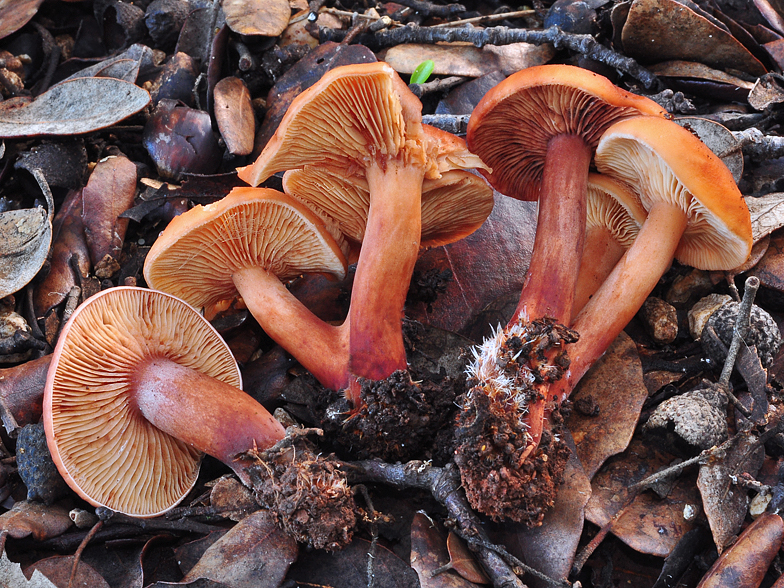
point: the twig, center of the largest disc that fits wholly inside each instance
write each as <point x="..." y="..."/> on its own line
<point x="583" y="44"/>
<point x="487" y="18"/>
<point x="429" y="9"/>
<point x="438" y="85"/>
<point x="757" y="145"/>
<point x="78" y="555"/>
<point x="741" y="328"/>
<point x="452" y="123"/>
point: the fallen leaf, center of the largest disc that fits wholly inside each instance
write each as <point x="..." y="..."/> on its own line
<point x="463" y="561"/>
<point x="767" y="214"/>
<point x="486" y="265"/>
<point x="77" y="106"/>
<point x="467" y="60"/>
<point x="550" y="548"/>
<point x="57" y="570"/>
<point x="725" y="503"/>
<point x="615" y="384"/>
<point x="14" y="14"/>
<point x="719" y="139"/>
<point x="663" y="30"/>
<point x="766" y="91"/>
<point x="257" y="17"/>
<point x="649" y="524"/>
<point x="429" y="552"/>
<point x="238" y="558"/>
<point x="33" y="518"/>
<point x="234" y="115"/>
<point x="11" y="576"/>
<point x="109" y="192"/>
<point x="124" y="66"/>
<point x="770" y="269"/>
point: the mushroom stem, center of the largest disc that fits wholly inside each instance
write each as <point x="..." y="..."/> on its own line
<point x="289" y="322"/>
<point x="602" y="252"/>
<point x="624" y="291"/>
<point x="558" y="245"/>
<point x="391" y="242"/>
<point x="207" y="414"/>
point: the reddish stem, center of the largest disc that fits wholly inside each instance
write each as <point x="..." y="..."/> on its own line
<point x="624" y="291"/>
<point x="293" y="326"/>
<point x="212" y="416"/>
<point x="386" y="263"/>
<point x="558" y="245"/>
<point x="600" y="255"/>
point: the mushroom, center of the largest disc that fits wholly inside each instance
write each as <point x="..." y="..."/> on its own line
<point x="613" y="218"/>
<point x="537" y="130"/>
<point x="696" y="214"/>
<point x="140" y="385"/>
<point x="362" y="120"/>
<point x="248" y="244"/>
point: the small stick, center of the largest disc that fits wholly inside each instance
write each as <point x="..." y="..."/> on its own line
<point x="486" y="19"/>
<point x="78" y="555"/>
<point x="741" y="328"/>
<point x="429" y="9"/>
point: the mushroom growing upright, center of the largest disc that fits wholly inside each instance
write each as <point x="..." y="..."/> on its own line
<point x="363" y="121"/>
<point x="247" y="244"/>
<point x="696" y="214"/>
<point x="140" y="385"/>
<point x="537" y="130"/>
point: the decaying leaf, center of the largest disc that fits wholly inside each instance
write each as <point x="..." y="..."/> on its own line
<point x="719" y="139"/>
<point x="725" y="503"/>
<point x="649" y="524"/>
<point x="429" y="552"/>
<point x="485" y="266"/>
<point x="767" y="214"/>
<point x="252" y="545"/>
<point x="57" y="570"/>
<point x="662" y="30"/>
<point x="257" y="17"/>
<point x="550" y="548"/>
<point x="234" y="115"/>
<point x="615" y="386"/>
<point x="36" y="519"/>
<point x="14" y="14"/>
<point x="25" y="238"/>
<point x="74" y="107"/>
<point x="466" y="60"/>
<point x="11" y="576"/>
<point x="109" y="192"/>
<point x="770" y="269"/>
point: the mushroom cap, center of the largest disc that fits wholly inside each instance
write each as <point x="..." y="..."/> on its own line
<point x="195" y="256"/>
<point x="354" y="115"/>
<point x="106" y="451"/>
<point x="453" y="206"/>
<point x="664" y="161"/>
<point x="512" y="125"/>
<point x="615" y="206"/>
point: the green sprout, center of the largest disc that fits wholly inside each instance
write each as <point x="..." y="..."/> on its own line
<point x="422" y="72"/>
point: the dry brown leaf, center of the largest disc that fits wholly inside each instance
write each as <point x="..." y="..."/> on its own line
<point x="74" y="107"/>
<point x="770" y="269"/>
<point x="649" y="524"/>
<point x="11" y="576"/>
<point x="719" y="139"/>
<point x="57" y="570"/>
<point x="615" y="384"/>
<point x="725" y="503"/>
<point x="109" y="192"/>
<point x="767" y="214"/>
<point x="487" y="265"/>
<point x="254" y="544"/>
<point x="467" y="60"/>
<point x="234" y="115"/>
<point x="550" y="548"/>
<point x="663" y="30"/>
<point x="14" y="14"/>
<point x="429" y="552"/>
<point x="257" y="17"/>
<point x="32" y="518"/>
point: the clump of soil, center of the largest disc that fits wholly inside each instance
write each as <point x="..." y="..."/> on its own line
<point x="506" y="475"/>
<point x="308" y="493"/>
<point x="400" y="419"/>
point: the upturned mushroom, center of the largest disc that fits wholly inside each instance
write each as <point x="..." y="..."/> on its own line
<point x="140" y="386"/>
<point x="247" y="245"/>
<point x="362" y="120"/>
<point x="696" y="214"/>
<point x="537" y="130"/>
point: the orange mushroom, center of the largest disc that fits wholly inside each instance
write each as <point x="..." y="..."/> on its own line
<point x="140" y="385"/>
<point x="363" y="121"/>
<point x="248" y="244"/>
